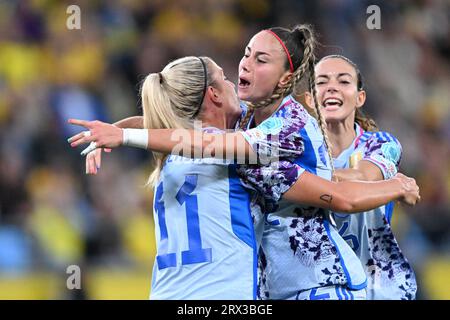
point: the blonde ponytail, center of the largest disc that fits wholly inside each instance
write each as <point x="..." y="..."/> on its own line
<point x="173" y="99"/>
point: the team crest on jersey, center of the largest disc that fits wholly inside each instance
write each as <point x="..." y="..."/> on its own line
<point x="391" y="151"/>
<point x="355" y="158"/>
<point x="255" y="134"/>
<point x="271" y="126"/>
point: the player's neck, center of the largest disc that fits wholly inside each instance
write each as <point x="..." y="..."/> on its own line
<point x="214" y="120"/>
<point x="262" y="114"/>
<point x="341" y="135"/>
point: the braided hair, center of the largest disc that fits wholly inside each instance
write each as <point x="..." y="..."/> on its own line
<point x="300" y="44"/>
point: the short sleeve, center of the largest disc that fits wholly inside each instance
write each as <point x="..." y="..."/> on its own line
<point x="271" y="181"/>
<point x="385" y="151"/>
<point x="278" y="136"/>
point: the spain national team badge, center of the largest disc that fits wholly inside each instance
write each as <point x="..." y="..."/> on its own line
<point x="355" y="158"/>
<point x="256" y="134"/>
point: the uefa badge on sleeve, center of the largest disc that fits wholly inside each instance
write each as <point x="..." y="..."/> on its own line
<point x="271" y="126"/>
<point x="391" y="151"/>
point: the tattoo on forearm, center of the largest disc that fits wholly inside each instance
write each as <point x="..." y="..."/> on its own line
<point x="327" y="198"/>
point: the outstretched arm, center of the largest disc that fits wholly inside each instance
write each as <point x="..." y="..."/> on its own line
<point x="274" y="138"/>
<point x="188" y="143"/>
<point x="352" y="196"/>
<point x="309" y="189"/>
<point x="136" y="122"/>
<point x="94" y="157"/>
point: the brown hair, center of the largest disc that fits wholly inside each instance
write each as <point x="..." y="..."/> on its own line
<point x="364" y="121"/>
<point x="301" y="44"/>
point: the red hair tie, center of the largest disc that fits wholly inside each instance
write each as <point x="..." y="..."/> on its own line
<point x="284" y="47"/>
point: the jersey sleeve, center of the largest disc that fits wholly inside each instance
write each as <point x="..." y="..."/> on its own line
<point x="278" y="136"/>
<point x="271" y="181"/>
<point x="279" y="140"/>
<point x="385" y="151"/>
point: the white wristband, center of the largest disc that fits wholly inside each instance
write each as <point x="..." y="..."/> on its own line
<point x="135" y="138"/>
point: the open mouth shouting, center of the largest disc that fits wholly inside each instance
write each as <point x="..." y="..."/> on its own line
<point x="244" y="83"/>
<point x="332" y="103"/>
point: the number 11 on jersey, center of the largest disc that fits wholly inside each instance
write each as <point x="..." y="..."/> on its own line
<point x="195" y="254"/>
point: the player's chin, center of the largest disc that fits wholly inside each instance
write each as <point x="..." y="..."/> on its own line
<point x="330" y="117"/>
<point x="250" y="97"/>
<point x="243" y="95"/>
<point x="334" y="113"/>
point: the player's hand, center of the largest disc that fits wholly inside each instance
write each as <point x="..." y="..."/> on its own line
<point x="410" y="189"/>
<point x="100" y="134"/>
<point x="94" y="160"/>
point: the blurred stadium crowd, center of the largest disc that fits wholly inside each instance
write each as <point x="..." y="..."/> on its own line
<point x="52" y="215"/>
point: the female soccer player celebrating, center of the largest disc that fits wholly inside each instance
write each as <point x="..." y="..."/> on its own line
<point x="305" y="257"/>
<point x="361" y="152"/>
